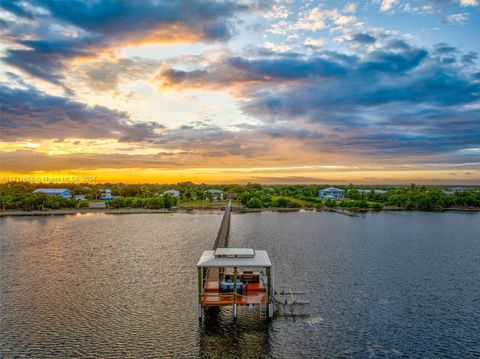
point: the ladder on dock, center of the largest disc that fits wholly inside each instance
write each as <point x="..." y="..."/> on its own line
<point x="263" y="311"/>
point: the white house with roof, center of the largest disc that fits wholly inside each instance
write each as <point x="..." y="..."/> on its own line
<point x="173" y="192"/>
<point x="331" y="193"/>
<point x="62" y="192"/>
<point x="80" y="197"/>
<point x="217" y="194"/>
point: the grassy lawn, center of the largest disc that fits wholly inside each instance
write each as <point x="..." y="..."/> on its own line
<point x="300" y="202"/>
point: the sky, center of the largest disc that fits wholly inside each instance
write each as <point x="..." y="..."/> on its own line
<point x="376" y="91"/>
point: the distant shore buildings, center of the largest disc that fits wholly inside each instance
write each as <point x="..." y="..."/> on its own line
<point x="217" y="194"/>
<point x="172" y="192"/>
<point x="106" y="194"/>
<point x="62" y="192"/>
<point x="331" y="193"/>
<point x="453" y="190"/>
<point x="376" y="191"/>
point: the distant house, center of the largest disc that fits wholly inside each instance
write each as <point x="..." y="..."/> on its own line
<point x="106" y="194"/>
<point x="173" y="193"/>
<point x="62" y="192"/>
<point x="80" y="197"/>
<point x="376" y="191"/>
<point x="331" y="193"/>
<point x="453" y="190"/>
<point x="217" y="194"/>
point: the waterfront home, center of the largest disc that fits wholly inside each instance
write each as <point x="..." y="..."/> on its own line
<point x="173" y="193"/>
<point x="217" y="194"/>
<point x="80" y="197"/>
<point x="453" y="190"/>
<point x="62" y="192"/>
<point x="106" y="194"/>
<point x="331" y="193"/>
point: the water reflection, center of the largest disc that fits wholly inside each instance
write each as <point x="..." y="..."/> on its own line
<point x="380" y="285"/>
<point x="246" y="337"/>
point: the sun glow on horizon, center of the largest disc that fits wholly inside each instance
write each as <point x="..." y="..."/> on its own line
<point x="218" y="92"/>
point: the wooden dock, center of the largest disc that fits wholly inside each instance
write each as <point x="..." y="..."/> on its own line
<point x="246" y="285"/>
<point x="221" y="241"/>
<point x="222" y="235"/>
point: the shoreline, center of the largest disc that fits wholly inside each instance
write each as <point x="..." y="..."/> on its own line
<point x="106" y="211"/>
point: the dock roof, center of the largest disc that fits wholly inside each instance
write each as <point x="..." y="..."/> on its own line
<point x="226" y="257"/>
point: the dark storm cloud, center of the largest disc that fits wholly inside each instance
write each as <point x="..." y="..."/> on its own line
<point x="30" y="114"/>
<point x="103" y="24"/>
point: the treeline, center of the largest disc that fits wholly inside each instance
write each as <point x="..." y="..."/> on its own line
<point x="259" y="199"/>
<point x="166" y="201"/>
<point x="19" y="196"/>
<point x="429" y="199"/>
<point x="37" y="201"/>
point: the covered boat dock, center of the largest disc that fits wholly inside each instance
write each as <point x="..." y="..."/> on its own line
<point x="235" y="276"/>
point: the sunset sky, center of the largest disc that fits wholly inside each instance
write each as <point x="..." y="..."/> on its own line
<point x="270" y="92"/>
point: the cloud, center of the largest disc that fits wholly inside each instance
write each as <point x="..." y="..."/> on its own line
<point x="83" y="29"/>
<point x="469" y="3"/>
<point x="428" y="6"/>
<point x="106" y="75"/>
<point x="444" y="49"/>
<point x="242" y="71"/>
<point x="395" y="99"/>
<point x="364" y="38"/>
<point x="350" y="8"/>
<point x="387" y="5"/>
<point x="459" y="19"/>
<point x="44" y="59"/>
<point x="30" y="114"/>
<point x="317" y="18"/>
<point x="313" y="43"/>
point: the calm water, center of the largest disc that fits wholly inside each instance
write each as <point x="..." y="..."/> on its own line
<point x="381" y="285"/>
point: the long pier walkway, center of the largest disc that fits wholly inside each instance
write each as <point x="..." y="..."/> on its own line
<point x="221" y="241"/>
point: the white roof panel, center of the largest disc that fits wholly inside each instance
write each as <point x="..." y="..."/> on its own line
<point x="260" y="259"/>
<point x="51" y="190"/>
<point x="234" y="252"/>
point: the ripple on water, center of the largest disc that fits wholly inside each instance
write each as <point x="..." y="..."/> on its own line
<point x="381" y="285"/>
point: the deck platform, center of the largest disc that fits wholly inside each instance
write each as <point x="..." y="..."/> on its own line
<point x="255" y="293"/>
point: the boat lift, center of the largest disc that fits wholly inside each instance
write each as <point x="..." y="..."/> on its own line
<point x="233" y="277"/>
<point x="240" y="276"/>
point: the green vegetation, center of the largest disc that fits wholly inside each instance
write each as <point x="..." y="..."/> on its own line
<point x="166" y="201"/>
<point x="207" y="203"/>
<point x="27" y="201"/>
<point x="19" y="196"/>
